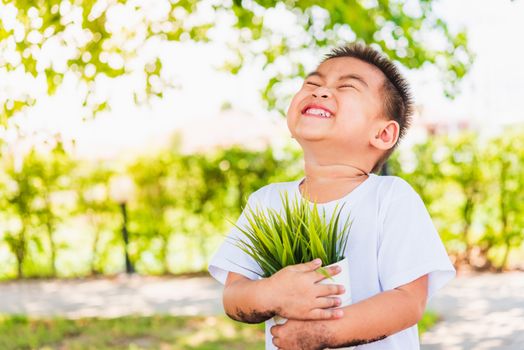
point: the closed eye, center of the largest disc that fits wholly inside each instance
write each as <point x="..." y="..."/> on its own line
<point x="312" y="84"/>
<point x="347" y="86"/>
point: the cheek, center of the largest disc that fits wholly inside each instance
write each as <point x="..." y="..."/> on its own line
<point x="290" y="115"/>
<point x="373" y="107"/>
<point x="354" y="119"/>
<point x="293" y="109"/>
<point x="296" y="100"/>
<point x="359" y="110"/>
<point x="288" y="122"/>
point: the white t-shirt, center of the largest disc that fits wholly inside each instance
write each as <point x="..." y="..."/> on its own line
<point x="392" y="242"/>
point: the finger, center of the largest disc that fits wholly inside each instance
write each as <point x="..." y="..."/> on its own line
<point x="331" y="271"/>
<point x="326" y="314"/>
<point x="327" y="303"/>
<point x="276" y="342"/>
<point x="309" y="266"/>
<point x="274" y="330"/>
<point x="324" y="290"/>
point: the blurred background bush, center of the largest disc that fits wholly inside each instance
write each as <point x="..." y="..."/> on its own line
<point x="62" y="217"/>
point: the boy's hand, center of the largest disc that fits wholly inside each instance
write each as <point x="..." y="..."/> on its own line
<point x="297" y="295"/>
<point x="304" y="335"/>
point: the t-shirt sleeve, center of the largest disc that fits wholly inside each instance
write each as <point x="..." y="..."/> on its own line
<point x="410" y="246"/>
<point x="229" y="257"/>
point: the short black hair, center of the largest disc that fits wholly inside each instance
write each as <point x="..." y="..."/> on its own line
<point x="398" y="102"/>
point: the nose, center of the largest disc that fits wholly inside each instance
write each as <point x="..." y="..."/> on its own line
<point x="322" y="92"/>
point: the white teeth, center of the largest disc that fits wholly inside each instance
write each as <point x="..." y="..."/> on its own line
<point x="319" y="112"/>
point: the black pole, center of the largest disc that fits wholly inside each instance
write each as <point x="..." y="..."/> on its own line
<point x="129" y="267"/>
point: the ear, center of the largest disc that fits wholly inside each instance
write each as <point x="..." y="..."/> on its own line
<point x="386" y="135"/>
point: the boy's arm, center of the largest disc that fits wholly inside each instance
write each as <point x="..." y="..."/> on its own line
<point x="370" y="320"/>
<point x="292" y="292"/>
<point x="246" y="300"/>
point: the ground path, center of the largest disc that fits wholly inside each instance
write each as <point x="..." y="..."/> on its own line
<point x="112" y="297"/>
<point x="479" y="312"/>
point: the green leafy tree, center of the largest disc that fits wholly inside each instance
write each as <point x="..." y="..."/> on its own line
<point x="95" y="40"/>
<point x="248" y="170"/>
<point x="21" y="197"/>
<point x="151" y="219"/>
<point x="504" y="223"/>
<point x="54" y="172"/>
<point x="465" y="170"/>
<point x="203" y="200"/>
<point x="215" y="186"/>
<point x="472" y="187"/>
<point x="38" y="179"/>
<point x="425" y="166"/>
<point x="422" y="166"/>
<point x="55" y="175"/>
<point x="93" y="203"/>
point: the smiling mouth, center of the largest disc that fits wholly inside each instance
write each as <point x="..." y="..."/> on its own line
<point x="316" y="112"/>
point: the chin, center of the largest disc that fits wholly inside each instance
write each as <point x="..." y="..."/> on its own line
<point x="310" y="136"/>
<point x="310" y="132"/>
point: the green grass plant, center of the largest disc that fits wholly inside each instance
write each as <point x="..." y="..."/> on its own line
<point x="298" y="233"/>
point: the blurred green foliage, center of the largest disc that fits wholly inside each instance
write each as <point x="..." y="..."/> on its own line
<point x="474" y="190"/>
<point x="27" y="194"/>
<point x="93" y="39"/>
<point x="140" y="332"/>
<point x="132" y="332"/>
<point x="59" y="218"/>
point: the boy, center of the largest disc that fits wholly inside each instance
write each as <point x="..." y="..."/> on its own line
<point x="348" y="117"/>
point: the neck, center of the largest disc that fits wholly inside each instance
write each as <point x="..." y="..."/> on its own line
<point x="322" y="177"/>
<point x="333" y="171"/>
<point x="329" y="180"/>
<point x="323" y="161"/>
<point x="322" y="168"/>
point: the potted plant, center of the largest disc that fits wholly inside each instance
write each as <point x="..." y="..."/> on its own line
<point x="296" y="234"/>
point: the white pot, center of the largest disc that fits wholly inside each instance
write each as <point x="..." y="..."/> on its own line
<point x="342" y="278"/>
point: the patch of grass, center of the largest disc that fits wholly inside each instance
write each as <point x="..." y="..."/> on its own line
<point x="137" y="333"/>
<point x="132" y="333"/>
<point x="428" y="320"/>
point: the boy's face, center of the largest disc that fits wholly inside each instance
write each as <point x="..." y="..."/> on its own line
<point x="340" y="103"/>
